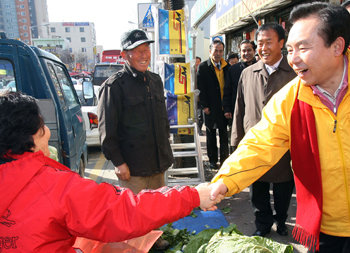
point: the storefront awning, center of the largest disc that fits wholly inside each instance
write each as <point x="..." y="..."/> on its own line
<point x="240" y="14"/>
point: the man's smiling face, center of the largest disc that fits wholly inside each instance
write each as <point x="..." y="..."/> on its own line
<point x="308" y="55"/>
<point x="139" y="57"/>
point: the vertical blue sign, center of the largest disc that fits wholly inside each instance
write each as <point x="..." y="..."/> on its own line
<point x="148" y="20"/>
<point x="164" y="43"/>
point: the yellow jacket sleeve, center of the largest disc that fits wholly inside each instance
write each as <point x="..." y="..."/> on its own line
<point x="263" y="145"/>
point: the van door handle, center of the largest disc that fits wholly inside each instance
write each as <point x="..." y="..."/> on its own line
<point x="73" y="131"/>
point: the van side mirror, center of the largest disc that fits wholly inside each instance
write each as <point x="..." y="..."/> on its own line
<point x="88" y="90"/>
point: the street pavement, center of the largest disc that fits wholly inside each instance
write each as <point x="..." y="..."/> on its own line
<point x="237" y="209"/>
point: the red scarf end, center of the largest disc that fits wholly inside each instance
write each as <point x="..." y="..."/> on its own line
<point x="305" y="238"/>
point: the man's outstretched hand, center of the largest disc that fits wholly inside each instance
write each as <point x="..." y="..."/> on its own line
<point x="207" y="202"/>
<point x="218" y="190"/>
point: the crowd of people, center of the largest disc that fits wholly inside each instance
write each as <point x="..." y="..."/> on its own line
<point x="284" y="119"/>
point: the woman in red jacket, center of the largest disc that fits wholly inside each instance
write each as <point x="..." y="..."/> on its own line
<point x="44" y="206"/>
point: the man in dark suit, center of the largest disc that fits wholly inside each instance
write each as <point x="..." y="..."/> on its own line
<point x="247" y="51"/>
<point x="211" y="81"/>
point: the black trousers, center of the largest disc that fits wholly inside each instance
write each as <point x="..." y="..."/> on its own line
<point x="334" y="244"/>
<point x="260" y="197"/>
<point x="212" y="148"/>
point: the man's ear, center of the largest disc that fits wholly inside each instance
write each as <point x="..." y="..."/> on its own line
<point x="281" y="43"/>
<point x="338" y="46"/>
<point x="123" y="53"/>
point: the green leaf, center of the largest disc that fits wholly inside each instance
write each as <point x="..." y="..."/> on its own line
<point x="193" y="215"/>
<point x="226" y="209"/>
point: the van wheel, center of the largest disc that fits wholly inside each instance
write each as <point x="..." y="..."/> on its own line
<point x="81" y="168"/>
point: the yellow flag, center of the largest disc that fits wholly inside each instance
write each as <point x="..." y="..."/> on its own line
<point x="177" y="32"/>
<point x="182" y="78"/>
<point x="185" y="111"/>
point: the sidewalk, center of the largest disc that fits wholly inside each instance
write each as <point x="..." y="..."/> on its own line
<point x="238" y="210"/>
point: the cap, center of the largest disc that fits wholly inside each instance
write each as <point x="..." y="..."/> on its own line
<point x="134" y="38"/>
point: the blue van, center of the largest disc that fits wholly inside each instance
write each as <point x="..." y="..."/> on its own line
<point x="42" y="75"/>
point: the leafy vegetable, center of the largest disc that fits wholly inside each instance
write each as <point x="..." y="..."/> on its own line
<point x="193" y="215"/>
<point x="223" y="240"/>
<point x="226" y="209"/>
<point x="235" y="243"/>
<point x="177" y="238"/>
<point x="198" y="240"/>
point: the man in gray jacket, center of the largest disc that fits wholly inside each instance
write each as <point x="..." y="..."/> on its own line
<point x="133" y="122"/>
<point x="256" y="86"/>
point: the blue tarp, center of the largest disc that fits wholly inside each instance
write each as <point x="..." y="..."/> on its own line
<point x="204" y="220"/>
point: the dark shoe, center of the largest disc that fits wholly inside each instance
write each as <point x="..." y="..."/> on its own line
<point x="160" y="244"/>
<point x="282" y="230"/>
<point x="261" y="233"/>
<point x="213" y="166"/>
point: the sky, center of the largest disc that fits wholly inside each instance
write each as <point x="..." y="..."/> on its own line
<point x="111" y="17"/>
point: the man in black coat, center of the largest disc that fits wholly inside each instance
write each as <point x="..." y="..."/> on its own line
<point x="133" y="122"/>
<point x="247" y="52"/>
<point x="211" y="80"/>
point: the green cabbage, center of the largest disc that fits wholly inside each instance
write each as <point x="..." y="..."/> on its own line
<point x="235" y="243"/>
<point x="224" y="240"/>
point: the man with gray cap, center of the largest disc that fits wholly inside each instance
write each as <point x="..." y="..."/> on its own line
<point x="133" y="121"/>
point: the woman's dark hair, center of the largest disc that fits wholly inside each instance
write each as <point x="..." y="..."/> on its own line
<point x="334" y="20"/>
<point x="20" y="119"/>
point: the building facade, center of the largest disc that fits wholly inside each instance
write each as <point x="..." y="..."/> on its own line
<point x="82" y="41"/>
<point x="8" y="21"/>
<point x="38" y="9"/>
<point x="238" y="20"/>
<point x="23" y="19"/>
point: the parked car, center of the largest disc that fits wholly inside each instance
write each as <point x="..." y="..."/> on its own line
<point x="42" y="75"/>
<point x="104" y="70"/>
<point x="89" y="110"/>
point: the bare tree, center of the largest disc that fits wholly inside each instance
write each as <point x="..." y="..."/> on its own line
<point x="81" y="59"/>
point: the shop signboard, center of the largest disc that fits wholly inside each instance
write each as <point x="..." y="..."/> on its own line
<point x="233" y="11"/>
<point x="223" y="6"/>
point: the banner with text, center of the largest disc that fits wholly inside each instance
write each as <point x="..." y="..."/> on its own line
<point x="172" y="38"/>
<point x="178" y="78"/>
<point x="180" y="109"/>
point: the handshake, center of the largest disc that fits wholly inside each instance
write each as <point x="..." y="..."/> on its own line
<point x="210" y="195"/>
